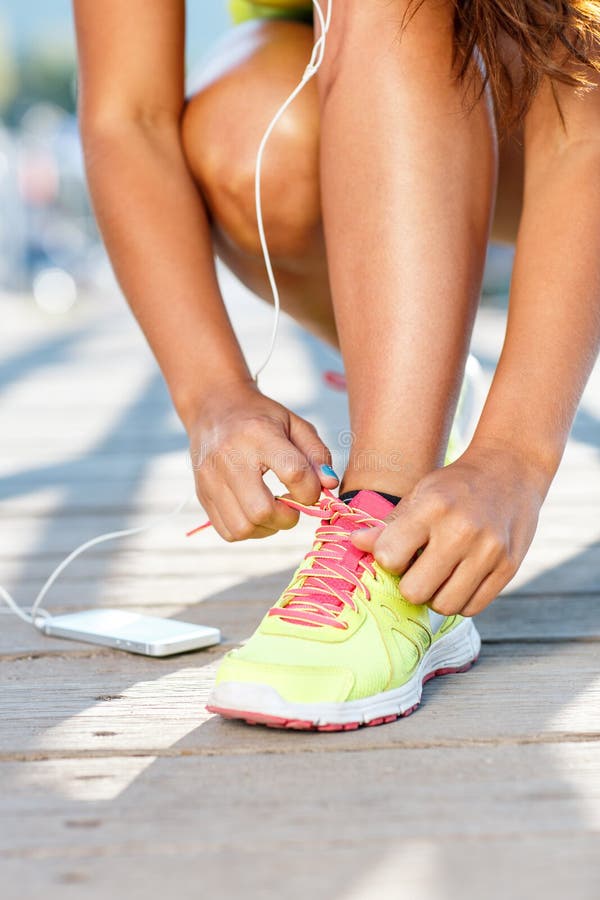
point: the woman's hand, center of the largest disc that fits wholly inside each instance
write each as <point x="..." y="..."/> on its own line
<point x="474" y="519"/>
<point x="238" y="435"/>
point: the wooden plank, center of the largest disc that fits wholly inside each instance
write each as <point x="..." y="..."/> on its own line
<point x="64" y="528"/>
<point x="520" y="617"/>
<point x="546" y="570"/>
<point x="574" y="506"/>
<point x="110" y="703"/>
<point x="499" y="764"/>
<point x="106" y="569"/>
<point x="552" y="866"/>
<point x="88" y="465"/>
<point x="464" y="792"/>
<point x="353" y="826"/>
<point x="570" y="509"/>
<point x="237" y="608"/>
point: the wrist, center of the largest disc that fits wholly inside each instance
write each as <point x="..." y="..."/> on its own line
<point x="192" y="405"/>
<point x="536" y="464"/>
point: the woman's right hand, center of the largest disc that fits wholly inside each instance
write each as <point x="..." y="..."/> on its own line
<point x="235" y="437"/>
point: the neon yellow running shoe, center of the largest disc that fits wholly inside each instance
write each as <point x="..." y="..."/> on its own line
<point x="341" y="648"/>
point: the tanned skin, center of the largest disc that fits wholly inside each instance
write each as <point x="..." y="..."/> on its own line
<point x="392" y="171"/>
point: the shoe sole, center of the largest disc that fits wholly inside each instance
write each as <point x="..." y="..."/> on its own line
<point x="259" y="704"/>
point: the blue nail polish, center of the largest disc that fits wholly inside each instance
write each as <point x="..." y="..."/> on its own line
<point x="327" y="470"/>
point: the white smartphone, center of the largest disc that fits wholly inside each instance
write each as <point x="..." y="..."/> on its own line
<point x="149" y="635"/>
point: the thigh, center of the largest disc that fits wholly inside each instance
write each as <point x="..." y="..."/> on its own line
<point x="250" y="74"/>
<point x="248" y="77"/>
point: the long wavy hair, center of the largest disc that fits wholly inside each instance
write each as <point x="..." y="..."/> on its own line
<point x="555" y="39"/>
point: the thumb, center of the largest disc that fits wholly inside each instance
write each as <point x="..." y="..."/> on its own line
<point x="306" y="438"/>
<point x="366" y="538"/>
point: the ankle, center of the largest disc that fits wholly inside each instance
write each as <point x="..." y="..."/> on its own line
<point x="388" y="472"/>
<point x="397" y="484"/>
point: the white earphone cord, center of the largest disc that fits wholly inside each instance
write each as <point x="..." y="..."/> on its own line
<point x="35" y="614"/>
<point x="316" y="58"/>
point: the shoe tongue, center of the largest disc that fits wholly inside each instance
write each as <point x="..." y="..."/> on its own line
<point x="373" y="503"/>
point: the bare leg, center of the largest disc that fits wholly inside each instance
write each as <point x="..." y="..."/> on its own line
<point x="406" y="239"/>
<point x="254" y="72"/>
<point x="256" y="67"/>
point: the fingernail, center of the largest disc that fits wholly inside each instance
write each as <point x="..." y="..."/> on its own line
<point x="327" y="470"/>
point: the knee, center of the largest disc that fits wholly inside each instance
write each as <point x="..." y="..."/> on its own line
<point x="220" y="142"/>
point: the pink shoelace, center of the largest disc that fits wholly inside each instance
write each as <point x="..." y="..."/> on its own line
<point x="334" y="565"/>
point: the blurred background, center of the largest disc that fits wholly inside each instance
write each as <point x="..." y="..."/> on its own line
<point x="49" y="247"/>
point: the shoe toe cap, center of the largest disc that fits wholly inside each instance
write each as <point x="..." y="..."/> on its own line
<point x="298" y="684"/>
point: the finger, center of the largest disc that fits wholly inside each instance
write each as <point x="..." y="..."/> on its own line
<point x="294" y="470"/>
<point x="258" y="503"/>
<point x="397" y="543"/>
<point x="306" y="438"/>
<point x="458" y="590"/>
<point x="211" y="509"/>
<point x="432" y="568"/>
<point x="487" y="591"/>
<point x="328" y="477"/>
<point x="366" y="538"/>
<point x="226" y="508"/>
<point x="217" y="522"/>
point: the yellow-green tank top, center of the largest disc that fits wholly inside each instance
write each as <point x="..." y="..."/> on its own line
<point x="242" y="10"/>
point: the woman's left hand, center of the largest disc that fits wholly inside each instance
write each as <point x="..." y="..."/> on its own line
<point x="473" y="520"/>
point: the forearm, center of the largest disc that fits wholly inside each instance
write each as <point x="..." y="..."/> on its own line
<point x="158" y="238"/>
<point x="553" y="331"/>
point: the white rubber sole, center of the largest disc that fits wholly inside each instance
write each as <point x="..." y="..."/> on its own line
<point x="260" y="704"/>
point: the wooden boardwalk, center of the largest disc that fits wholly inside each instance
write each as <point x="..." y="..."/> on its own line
<point x="117" y="783"/>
